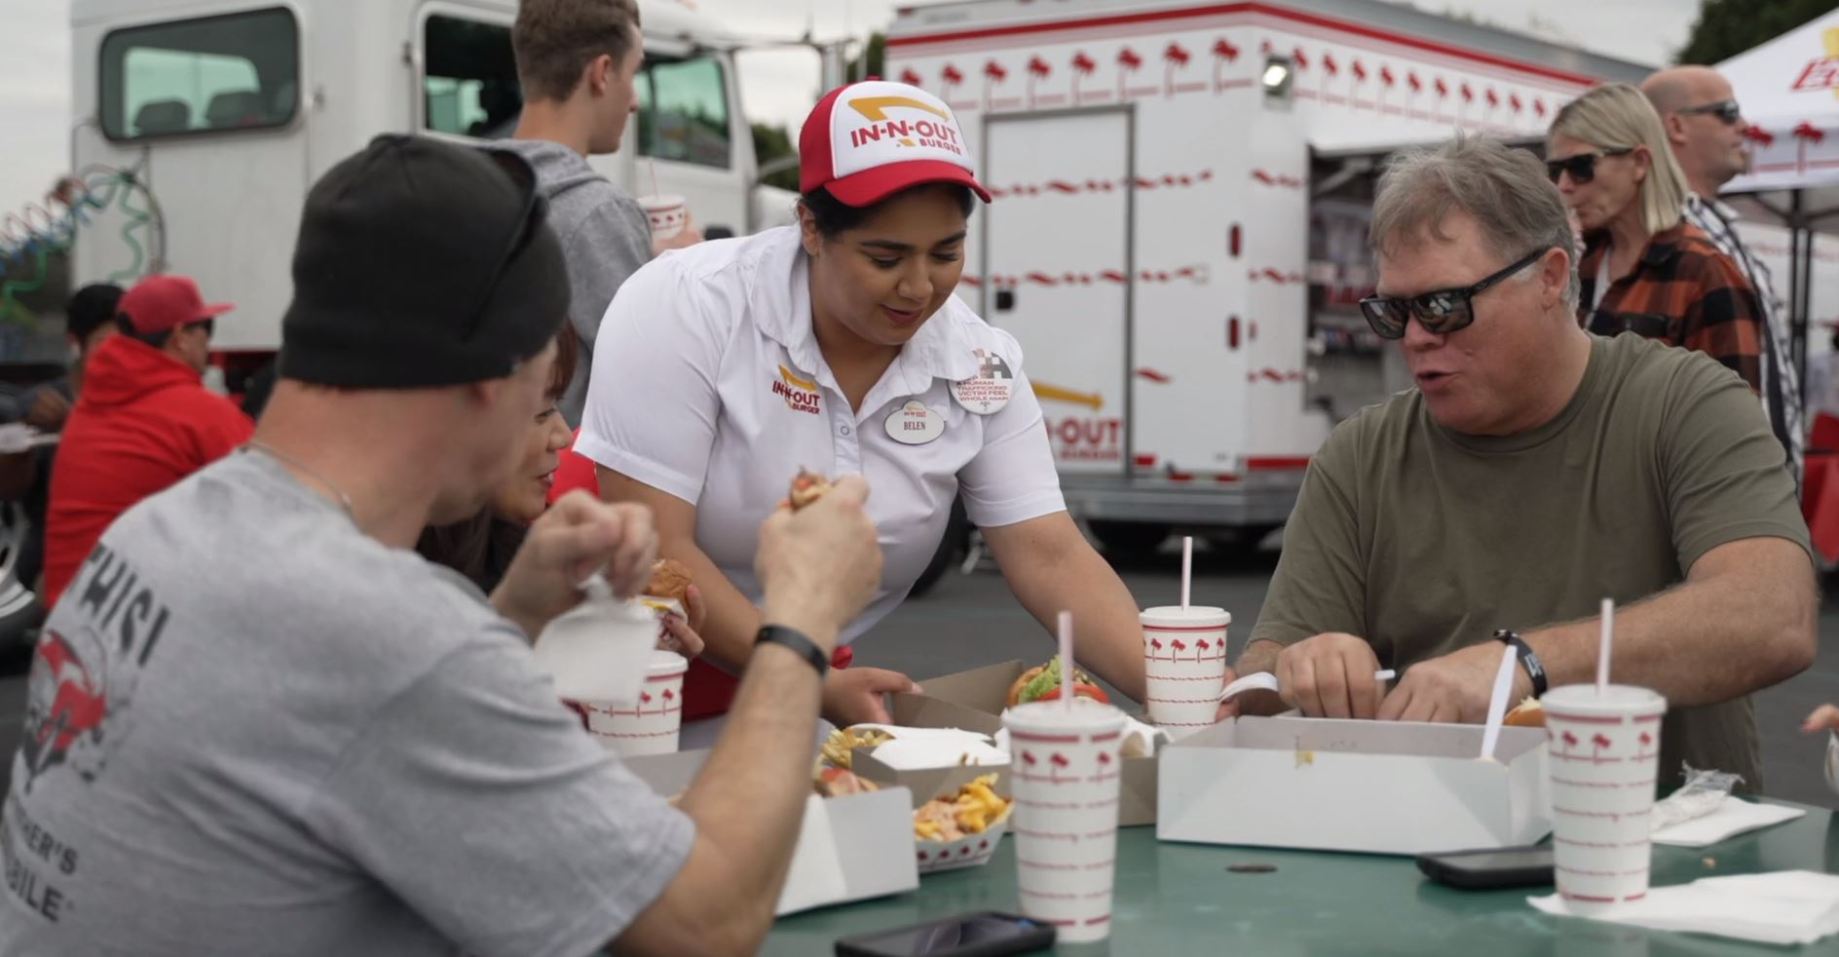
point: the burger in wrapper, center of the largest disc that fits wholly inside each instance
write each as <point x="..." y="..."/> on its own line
<point x="1043" y="684"/>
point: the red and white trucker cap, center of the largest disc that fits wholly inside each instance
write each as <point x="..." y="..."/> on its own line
<point x="867" y="141"/>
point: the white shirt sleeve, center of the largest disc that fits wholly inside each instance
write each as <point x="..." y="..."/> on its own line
<point x="652" y="403"/>
<point x="1013" y="478"/>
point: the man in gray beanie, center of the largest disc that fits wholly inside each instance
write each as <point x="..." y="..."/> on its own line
<point x="260" y="723"/>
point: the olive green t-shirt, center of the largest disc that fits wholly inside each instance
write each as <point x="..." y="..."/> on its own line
<point x="1424" y="540"/>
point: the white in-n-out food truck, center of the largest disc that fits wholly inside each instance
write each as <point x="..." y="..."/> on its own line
<point x="1178" y="235"/>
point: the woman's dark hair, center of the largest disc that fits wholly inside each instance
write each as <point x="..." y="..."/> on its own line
<point x="568" y="355"/>
<point x="91" y="308"/>
<point x="833" y="217"/>
<point x="480" y="548"/>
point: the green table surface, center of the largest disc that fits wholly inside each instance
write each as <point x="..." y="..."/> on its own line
<point x="1181" y="899"/>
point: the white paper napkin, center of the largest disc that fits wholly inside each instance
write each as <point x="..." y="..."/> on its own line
<point x="1783" y="908"/>
<point x="1733" y="817"/>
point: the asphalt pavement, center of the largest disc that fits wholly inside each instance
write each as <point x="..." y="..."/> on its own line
<point x="971" y="619"/>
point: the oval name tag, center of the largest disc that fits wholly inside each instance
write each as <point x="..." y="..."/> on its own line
<point x="914" y="424"/>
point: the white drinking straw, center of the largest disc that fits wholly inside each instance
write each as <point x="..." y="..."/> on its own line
<point x="654" y="177"/>
<point x="1187" y="569"/>
<point x="1066" y="660"/>
<point x="1602" y="651"/>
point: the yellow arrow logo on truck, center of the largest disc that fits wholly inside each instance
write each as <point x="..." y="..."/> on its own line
<point x="1054" y="393"/>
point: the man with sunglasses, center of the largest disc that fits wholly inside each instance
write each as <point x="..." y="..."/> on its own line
<point x="261" y="723"/>
<point x="143" y="421"/>
<point x="1534" y="470"/>
<point x="1705" y="127"/>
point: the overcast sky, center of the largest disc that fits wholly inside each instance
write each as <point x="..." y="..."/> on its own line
<point x="36" y="115"/>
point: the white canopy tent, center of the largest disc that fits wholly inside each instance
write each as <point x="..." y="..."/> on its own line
<point x="1789" y="91"/>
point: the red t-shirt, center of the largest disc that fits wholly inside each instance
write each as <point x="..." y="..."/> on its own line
<point x="142" y="422"/>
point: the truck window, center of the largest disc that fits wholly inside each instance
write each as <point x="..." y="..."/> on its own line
<point x="469" y="81"/>
<point x="683" y="110"/>
<point x="239" y="71"/>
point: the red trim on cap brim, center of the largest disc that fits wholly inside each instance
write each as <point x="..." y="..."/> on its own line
<point x="216" y="309"/>
<point x="874" y="185"/>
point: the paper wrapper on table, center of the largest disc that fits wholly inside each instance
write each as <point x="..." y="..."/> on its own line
<point x="849" y="848"/>
<point x="1370" y="786"/>
<point x="598" y="651"/>
<point x="1184" y="660"/>
<point x="1605" y="755"/>
<point x="1784" y="908"/>
<point x="974" y="700"/>
<point x="653" y="723"/>
<point x="1066" y="776"/>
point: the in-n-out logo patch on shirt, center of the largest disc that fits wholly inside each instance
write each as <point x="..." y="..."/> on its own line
<point x="800" y="394"/>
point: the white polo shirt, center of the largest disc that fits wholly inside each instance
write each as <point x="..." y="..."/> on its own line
<point x="708" y="384"/>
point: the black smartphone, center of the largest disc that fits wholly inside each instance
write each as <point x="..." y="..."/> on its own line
<point x="988" y="934"/>
<point x="1496" y="867"/>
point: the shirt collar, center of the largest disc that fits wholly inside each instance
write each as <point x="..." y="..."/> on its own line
<point x="781" y="280"/>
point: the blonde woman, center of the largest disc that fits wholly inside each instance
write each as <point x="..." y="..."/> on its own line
<point x="1645" y="269"/>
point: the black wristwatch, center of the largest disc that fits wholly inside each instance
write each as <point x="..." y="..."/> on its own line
<point x="1529" y="659"/>
<point x="795" y="640"/>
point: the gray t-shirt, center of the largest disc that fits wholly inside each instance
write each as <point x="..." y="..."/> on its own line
<point x="605" y="238"/>
<point x="253" y="730"/>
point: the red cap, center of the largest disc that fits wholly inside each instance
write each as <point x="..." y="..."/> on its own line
<point x="160" y="303"/>
<point x="867" y="141"/>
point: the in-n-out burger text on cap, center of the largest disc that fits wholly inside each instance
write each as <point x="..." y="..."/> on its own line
<point x="941" y="134"/>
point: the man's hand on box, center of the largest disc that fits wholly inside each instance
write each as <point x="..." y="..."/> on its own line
<point x="1455" y="687"/>
<point x="1331" y="676"/>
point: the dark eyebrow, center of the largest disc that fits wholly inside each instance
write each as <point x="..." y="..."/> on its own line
<point x="894" y="247"/>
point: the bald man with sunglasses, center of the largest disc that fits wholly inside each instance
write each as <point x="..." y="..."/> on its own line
<point x="1706" y="129"/>
<point x="1534" y="470"/>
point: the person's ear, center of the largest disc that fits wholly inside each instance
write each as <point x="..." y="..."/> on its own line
<point x="600" y="74"/>
<point x="807" y="231"/>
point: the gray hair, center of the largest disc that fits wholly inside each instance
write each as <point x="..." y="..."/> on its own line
<point x="1618" y="116"/>
<point x="1504" y="189"/>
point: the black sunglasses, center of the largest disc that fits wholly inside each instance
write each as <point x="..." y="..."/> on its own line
<point x="1441" y="312"/>
<point x="520" y="174"/>
<point x="1582" y="167"/>
<point x="1727" y="111"/>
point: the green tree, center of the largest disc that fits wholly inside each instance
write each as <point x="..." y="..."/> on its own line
<point x="1726" y="28"/>
<point x="773" y="141"/>
<point x="874" y="58"/>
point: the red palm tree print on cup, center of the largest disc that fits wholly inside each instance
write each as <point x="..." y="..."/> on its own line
<point x="1223" y="53"/>
<point x="1599" y="743"/>
<point x="1057" y="762"/>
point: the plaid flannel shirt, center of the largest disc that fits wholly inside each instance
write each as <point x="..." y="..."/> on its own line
<point x="1683" y="291"/>
<point x="1781" y="380"/>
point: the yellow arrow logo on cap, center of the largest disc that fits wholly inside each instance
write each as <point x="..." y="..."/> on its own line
<point x="874" y="108"/>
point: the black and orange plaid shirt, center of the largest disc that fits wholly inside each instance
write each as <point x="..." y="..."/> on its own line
<point x="1683" y="290"/>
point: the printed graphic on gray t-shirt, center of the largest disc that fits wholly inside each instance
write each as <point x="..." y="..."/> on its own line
<point x="250" y="729"/>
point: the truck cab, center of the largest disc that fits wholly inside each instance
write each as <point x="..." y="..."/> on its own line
<point x="229" y="110"/>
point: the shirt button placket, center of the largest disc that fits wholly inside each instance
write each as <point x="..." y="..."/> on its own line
<point x="848" y="444"/>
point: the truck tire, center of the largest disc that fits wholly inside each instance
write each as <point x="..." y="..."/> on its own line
<point x="1129" y="539"/>
<point x="952" y="548"/>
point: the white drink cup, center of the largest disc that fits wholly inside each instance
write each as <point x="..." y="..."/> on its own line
<point x="667" y="214"/>
<point x="651" y="725"/>
<point x="1184" y="658"/>
<point x="1605" y="752"/>
<point x="1064" y="768"/>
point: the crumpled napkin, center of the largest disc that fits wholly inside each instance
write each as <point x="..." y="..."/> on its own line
<point x="1783" y="908"/>
<point x="1732" y="817"/>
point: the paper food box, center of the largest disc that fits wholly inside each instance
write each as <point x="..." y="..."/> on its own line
<point x="849" y="848"/>
<point x="1378" y="787"/>
<point x="974" y="700"/>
